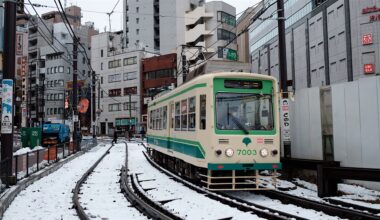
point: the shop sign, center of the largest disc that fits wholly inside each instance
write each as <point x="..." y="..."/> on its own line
<point x="369" y="68"/>
<point x="370" y="10"/>
<point x="367" y="39"/>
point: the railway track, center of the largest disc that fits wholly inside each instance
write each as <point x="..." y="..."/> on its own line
<point x="78" y="207"/>
<point x="257" y="209"/>
<point x="341" y="210"/>
<point x="136" y="196"/>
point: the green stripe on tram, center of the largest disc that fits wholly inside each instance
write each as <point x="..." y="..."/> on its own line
<point x="191" y="148"/>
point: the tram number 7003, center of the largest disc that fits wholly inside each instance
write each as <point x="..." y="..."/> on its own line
<point x="246" y="152"/>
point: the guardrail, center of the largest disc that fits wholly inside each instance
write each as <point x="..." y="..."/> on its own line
<point x="25" y="164"/>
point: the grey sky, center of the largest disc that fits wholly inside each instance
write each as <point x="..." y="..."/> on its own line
<point x="95" y="10"/>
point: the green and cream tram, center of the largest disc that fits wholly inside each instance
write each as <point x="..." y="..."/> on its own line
<point x="220" y="129"/>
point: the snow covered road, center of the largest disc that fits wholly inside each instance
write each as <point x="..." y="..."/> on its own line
<point x="51" y="196"/>
<point x="101" y="196"/>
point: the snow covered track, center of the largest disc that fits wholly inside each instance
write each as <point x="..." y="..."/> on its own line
<point x="263" y="212"/>
<point x="80" y="211"/>
<point x="330" y="209"/>
<point x="51" y="196"/>
<point x="134" y="193"/>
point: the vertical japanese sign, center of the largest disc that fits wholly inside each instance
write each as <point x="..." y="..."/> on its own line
<point x="6" y="106"/>
<point x="285" y="120"/>
<point x="19" y="44"/>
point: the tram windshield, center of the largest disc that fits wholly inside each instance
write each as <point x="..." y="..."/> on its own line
<point x="244" y="111"/>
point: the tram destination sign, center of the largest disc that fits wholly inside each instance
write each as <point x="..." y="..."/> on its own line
<point x="243" y="84"/>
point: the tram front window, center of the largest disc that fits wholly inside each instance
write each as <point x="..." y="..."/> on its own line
<point x="244" y="111"/>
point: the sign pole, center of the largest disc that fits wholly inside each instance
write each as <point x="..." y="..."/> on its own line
<point x="8" y="89"/>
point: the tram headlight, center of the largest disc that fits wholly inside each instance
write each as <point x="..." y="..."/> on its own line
<point x="274" y="152"/>
<point x="264" y="152"/>
<point x="229" y="152"/>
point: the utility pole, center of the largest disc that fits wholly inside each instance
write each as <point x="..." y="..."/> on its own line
<point x="7" y="96"/>
<point x="93" y="103"/>
<point x="282" y="46"/>
<point x="283" y="76"/>
<point x="75" y="92"/>
<point x="130" y="116"/>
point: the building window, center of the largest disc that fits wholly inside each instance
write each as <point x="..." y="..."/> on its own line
<point x="225" y="35"/>
<point x="137" y="9"/>
<point x="55" y="69"/>
<point x="130" y="105"/>
<point x="130" y="90"/>
<point x="137" y="20"/>
<point x="101" y="53"/>
<point x="130" y="76"/>
<point x="114" y="78"/>
<point x="160" y="74"/>
<point x="226" y="18"/>
<point x="101" y="94"/>
<point x="83" y="72"/>
<point x="68" y="70"/>
<point x="114" y="92"/>
<point x="83" y="60"/>
<point x="101" y="66"/>
<point x="114" y="64"/>
<point x="101" y="80"/>
<point x="61" y="69"/>
<point x="130" y="61"/>
<point x="114" y="107"/>
<point x="137" y="31"/>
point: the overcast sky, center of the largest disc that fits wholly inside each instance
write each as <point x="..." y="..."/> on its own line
<point x="95" y="10"/>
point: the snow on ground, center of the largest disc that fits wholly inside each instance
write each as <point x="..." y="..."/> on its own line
<point x="275" y="204"/>
<point x="51" y="196"/>
<point x="26" y="150"/>
<point x="187" y="203"/>
<point x="101" y="196"/>
<point x="352" y="193"/>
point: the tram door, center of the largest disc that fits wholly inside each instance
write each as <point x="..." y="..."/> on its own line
<point x="171" y="124"/>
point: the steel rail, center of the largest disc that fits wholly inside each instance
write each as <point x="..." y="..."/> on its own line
<point x="79" y="209"/>
<point x="245" y="206"/>
<point x="327" y="208"/>
<point x="135" y="195"/>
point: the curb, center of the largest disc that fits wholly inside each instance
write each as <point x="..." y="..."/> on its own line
<point x="7" y="198"/>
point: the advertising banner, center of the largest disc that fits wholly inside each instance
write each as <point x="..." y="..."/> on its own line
<point x="6" y="106"/>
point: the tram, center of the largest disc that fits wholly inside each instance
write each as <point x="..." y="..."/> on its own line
<point x="220" y="130"/>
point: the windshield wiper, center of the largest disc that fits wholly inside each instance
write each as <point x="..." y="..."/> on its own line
<point x="239" y="124"/>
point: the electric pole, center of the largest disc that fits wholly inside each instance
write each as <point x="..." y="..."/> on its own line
<point x="75" y="92"/>
<point x="283" y="73"/>
<point x="93" y="102"/>
<point x="8" y="90"/>
<point x="282" y="46"/>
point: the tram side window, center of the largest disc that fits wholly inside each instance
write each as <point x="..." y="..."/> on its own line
<point x="150" y="119"/>
<point x="172" y="116"/>
<point x="184" y="115"/>
<point x="177" y="116"/>
<point x="159" y="119"/>
<point x="164" y="116"/>
<point x="192" y="113"/>
<point x="202" y="104"/>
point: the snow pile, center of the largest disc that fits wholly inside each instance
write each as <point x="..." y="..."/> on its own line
<point x="26" y="150"/>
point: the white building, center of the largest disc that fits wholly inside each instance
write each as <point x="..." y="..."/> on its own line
<point x="156" y="25"/>
<point x="119" y="73"/>
<point x="209" y="27"/>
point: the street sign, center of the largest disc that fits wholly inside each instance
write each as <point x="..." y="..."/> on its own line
<point x="7" y="106"/>
<point x="229" y="54"/>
